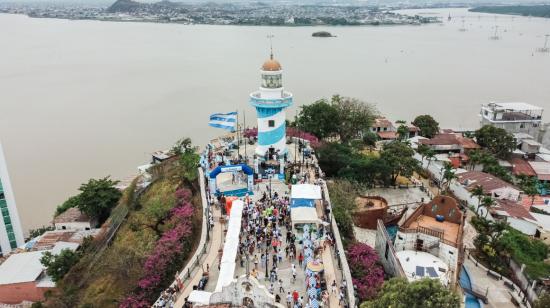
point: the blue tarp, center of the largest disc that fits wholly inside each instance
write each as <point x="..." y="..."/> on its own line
<point x="302" y="202"/>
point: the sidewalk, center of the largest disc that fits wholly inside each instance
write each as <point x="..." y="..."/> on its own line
<point x="498" y="294"/>
<point x="211" y="258"/>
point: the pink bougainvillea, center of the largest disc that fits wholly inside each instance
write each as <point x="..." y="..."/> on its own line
<point x="366" y="271"/>
<point x="166" y="250"/>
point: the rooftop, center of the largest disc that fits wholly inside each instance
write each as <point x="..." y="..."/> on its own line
<point x="488" y="181"/>
<point x="447" y="228"/>
<point x="73" y="214"/>
<point x="451" y="139"/>
<point x="542" y="169"/>
<point x="521" y="166"/>
<point x="512" y="106"/>
<point x="418" y="265"/>
<point x="387" y="135"/>
<point x="21" y="267"/>
<point x="424" y="217"/>
<point x="511" y="209"/>
<point x="381" y="122"/>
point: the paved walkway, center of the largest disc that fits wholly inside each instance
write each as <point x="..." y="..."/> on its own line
<point x="498" y="294"/>
<point x="211" y="258"/>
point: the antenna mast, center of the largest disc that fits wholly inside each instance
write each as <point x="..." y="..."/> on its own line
<point x="270" y="37"/>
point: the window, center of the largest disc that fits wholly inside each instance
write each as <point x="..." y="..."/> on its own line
<point x="386" y="252"/>
<point x="271" y="123"/>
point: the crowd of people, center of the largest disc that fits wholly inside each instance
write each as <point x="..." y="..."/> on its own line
<point x="269" y="245"/>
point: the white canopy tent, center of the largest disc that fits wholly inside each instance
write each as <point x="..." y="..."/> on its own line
<point x="199" y="297"/>
<point x="306" y="191"/>
<point x="227" y="264"/>
<point x="304" y="215"/>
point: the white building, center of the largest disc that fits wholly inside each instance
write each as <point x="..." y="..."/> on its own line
<point x="435" y="228"/>
<point x="11" y="233"/>
<point x="513" y="117"/>
<point x="73" y="219"/>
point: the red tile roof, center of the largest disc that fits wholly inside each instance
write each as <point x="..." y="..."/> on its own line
<point x="451" y="139"/>
<point x="488" y="181"/>
<point x="382" y="122"/>
<point x="521" y="166"/>
<point x="387" y="135"/>
<point x="513" y="209"/>
<point x="73" y="214"/>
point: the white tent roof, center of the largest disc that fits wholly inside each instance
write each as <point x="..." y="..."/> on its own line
<point x="227" y="264"/>
<point x="199" y="297"/>
<point x="303" y="215"/>
<point x="306" y="191"/>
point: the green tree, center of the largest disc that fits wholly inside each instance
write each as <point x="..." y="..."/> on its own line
<point x="529" y="185"/>
<point x="39" y="231"/>
<point x="428" y="126"/>
<point x="399" y="157"/>
<point x="475" y="157"/>
<point x="354" y="117"/>
<point x="189" y="163"/>
<point x="430" y="155"/>
<point x="333" y="157"/>
<point x="59" y="265"/>
<point x="403" y="132"/>
<point x="478" y="193"/>
<point x="422" y="150"/>
<point x="181" y="146"/>
<point x="424" y="293"/>
<point x="319" y="118"/>
<point x="487" y="202"/>
<point x="98" y="197"/>
<point x="69" y="203"/>
<point x="369" y="139"/>
<point x="447" y="176"/>
<point x="496" y="140"/>
<point x="543" y="301"/>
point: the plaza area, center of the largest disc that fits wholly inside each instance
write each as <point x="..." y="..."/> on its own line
<point x="284" y="244"/>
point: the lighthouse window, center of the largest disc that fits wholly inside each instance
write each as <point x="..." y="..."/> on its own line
<point x="271" y="123"/>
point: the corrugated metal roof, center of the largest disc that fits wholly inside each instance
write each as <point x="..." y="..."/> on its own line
<point x="21" y="267"/>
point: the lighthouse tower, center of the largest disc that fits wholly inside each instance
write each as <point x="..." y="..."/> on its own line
<point x="270" y="103"/>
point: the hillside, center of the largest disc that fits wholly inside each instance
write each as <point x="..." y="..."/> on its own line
<point x="123" y="6"/>
<point x="109" y="272"/>
<point x="523" y="10"/>
<point x="130" y="6"/>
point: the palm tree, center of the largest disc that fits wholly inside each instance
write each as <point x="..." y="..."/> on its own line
<point x="477" y="192"/>
<point x="487" y="202"/>
<point x="475" y="158"/>
<point x="422" y="150"/>
<point x="529" y="185"/>
<point x="448" y="176"/>
<point x="430" y="154"/>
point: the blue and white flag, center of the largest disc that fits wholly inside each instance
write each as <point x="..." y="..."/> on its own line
<point x="226" y="121"/>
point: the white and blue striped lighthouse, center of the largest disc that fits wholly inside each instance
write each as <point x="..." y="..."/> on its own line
<point x="270" y="102"/>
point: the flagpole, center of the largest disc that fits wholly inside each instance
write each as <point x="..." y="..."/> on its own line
<point x="238" y="139"/>
<point x="244" y="127"/>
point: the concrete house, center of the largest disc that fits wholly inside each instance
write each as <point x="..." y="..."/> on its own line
<point x="73" y="219"/>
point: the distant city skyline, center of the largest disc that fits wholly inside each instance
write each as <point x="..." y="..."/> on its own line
<point x="294" y="2"/>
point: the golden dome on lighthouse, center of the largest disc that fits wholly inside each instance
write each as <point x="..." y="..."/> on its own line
<point x="271" y="65"/>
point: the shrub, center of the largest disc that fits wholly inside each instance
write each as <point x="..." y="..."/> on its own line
<point x="366" y="271"/>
